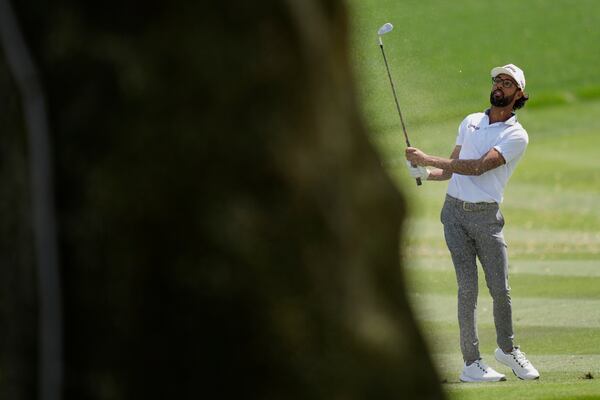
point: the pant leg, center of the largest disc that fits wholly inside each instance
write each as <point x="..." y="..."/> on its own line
<point x="463" y="252"/>
<point x="492" y="253"/>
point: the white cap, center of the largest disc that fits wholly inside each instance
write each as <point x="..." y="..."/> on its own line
<point x="513" y="71"/>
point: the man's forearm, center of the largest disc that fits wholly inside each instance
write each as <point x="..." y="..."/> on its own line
<point x="457" y="166"/>
<point x="437" y="174"/>
<point x="454" y="165"/>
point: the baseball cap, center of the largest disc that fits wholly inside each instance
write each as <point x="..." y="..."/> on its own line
<point x="513" y="71"/>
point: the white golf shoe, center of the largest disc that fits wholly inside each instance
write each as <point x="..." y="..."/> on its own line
<point x="517" y="361"/>
<point x="478" y="371"/>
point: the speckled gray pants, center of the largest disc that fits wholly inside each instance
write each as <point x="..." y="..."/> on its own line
<point x="474" y="230"/>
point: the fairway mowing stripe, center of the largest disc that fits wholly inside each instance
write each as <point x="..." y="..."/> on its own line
<point x="590" y="268"/>
<point x="576" y="313"/>
<point x="549" y="238"/>
<point x="520" y="195"/>
<point x="424" y="230"/>
<point x="443" y="337"/>
<point x="559" y="363"/>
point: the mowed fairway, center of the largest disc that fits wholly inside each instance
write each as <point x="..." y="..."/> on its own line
<point x="440" y="54"/>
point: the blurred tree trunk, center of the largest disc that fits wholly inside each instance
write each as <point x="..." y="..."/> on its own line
<point x="43" y="220"/>
<point x="18" y="315"/>
<point x="226" y="228"/>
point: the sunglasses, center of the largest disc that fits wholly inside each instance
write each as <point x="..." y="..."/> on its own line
<point x="506" y="83"/>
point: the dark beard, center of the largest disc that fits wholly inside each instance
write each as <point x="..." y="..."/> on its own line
<point x="502" y="101"/>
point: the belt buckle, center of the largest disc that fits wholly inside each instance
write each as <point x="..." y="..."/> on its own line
<point x="468" y="206"/>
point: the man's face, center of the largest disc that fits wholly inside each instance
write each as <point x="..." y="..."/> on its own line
<point x="504" y="90"/>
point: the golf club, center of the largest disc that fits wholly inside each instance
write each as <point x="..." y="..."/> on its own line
<point x="387" y="27"/>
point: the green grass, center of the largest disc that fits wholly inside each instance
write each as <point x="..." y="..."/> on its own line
<point x="440" y="54"/>
<point x="565" y="287"/>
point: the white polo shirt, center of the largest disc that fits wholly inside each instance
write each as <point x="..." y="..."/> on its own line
<point x="476" y="137"/>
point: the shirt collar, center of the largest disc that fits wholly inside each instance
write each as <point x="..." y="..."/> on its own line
<point x="511" y="121"/>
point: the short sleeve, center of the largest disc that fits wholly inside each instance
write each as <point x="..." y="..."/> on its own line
<point x="460" y="138"/>
<point x="513" y="145"/>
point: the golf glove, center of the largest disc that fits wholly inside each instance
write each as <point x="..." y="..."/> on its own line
<point x="417" y="172"/>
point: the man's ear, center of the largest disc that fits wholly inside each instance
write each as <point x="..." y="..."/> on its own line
<point x="520" y="94"/>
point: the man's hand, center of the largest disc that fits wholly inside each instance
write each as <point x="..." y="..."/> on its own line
<point x="416" y="156"/>
<point x="417" y="172"/>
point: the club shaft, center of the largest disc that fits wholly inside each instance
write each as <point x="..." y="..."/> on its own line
<point x="396" y="101"/>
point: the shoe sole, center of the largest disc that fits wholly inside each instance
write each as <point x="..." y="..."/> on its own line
<point x="513" y="371"/>
<point x="524" y="379"/>
<point x="469" y="380"/>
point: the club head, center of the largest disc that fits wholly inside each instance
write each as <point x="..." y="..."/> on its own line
<point x="387" y="27"/>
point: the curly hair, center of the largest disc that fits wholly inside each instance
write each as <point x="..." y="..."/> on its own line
<point x="521" y="102"/>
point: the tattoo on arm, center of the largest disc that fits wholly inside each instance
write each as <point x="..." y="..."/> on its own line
<point x="492" y="159"/>
<point x="439" y="174"/>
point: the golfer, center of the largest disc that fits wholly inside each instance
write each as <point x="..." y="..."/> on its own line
<point x="488" y="147"/>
